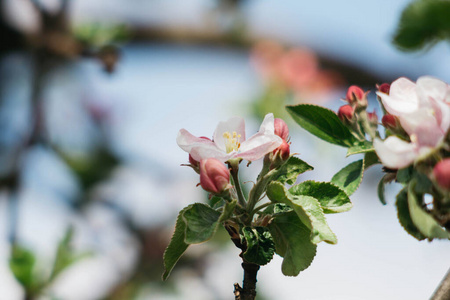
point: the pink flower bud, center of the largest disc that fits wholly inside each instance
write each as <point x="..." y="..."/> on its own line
<point x="441" y="173"/>
<point x="281" y="128"/>
<point x="346" y="113"/>
<point x="214" y="175"/>
<point x="283" y="151"/>
<point x="384" y="88"/>
<point x="390" y="121"/>
<point x="354" y="94"/>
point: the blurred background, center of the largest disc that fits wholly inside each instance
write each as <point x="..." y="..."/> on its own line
<point x="92" y="95"/>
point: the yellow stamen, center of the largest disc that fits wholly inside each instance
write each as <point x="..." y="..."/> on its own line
<point x="232" y="141"/>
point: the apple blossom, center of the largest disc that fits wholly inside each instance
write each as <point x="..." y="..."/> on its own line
<point x="354" y="94"/>
<point x="424" y="113"/>
<point x="229" y="141"/>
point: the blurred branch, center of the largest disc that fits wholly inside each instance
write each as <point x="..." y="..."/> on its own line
<point x="443" y="290"/>
<point x="210" y="36"/>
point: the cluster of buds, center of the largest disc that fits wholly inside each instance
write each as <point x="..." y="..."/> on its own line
<point x="354" y="114"/>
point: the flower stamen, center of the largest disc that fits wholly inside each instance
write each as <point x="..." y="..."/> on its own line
<point x="232" y="141"/>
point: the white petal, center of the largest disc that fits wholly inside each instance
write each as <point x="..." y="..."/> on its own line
<point x="429" y="87"/>
<point x="259" y="145"/>
<point x="442" y="113"/>
<point x="209" y="151"/>
<point x="268" y="124"/>
<point x="402" y="97"/>
<point x="422" y="126"/>
<point x="235" y="124"/>
<point x="395" y="153"/>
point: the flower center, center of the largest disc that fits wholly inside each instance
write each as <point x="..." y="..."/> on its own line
<point x="232" y="141"/>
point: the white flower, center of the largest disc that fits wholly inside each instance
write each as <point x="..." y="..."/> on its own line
<point x="229" y="141"/>
<point x="423" y="109"/>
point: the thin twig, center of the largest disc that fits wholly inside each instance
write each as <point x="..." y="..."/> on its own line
<point x="443" y="290"/>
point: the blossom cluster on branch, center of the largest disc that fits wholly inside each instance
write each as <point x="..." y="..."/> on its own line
<point x="415" y="149"/>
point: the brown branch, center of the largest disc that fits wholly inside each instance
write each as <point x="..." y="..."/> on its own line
<point x="443" y="290"/>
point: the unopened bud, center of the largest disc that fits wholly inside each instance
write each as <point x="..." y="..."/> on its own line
<point x="281" y="128"/>
<point x="384" y="88"/>
<point x="441" y="173"/>
<point x="354" y="94"/>
<point x="214" y="175"/>
<point x="280" y="155"/>
<point x="346" y="113"/>
<point x="390" y="122"/>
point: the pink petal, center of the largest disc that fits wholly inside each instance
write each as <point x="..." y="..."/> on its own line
<point x="187" y="141"/>
<point x="402" y="97"/>
<point x="235" y="124"/>
<point x="442" y="114"/>
<point x="395" y="153"/>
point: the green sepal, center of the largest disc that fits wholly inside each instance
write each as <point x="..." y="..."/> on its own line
<point x="426" y="224"/>
<point x="322" y="123"/>
<point x="308" y="210"/>
<point x="349" y="178"/>
<point x="331" y="198"/>
<point x="404" y="216"/>
<point x="260" y="246"/>
<point x="360" y="147"/>
<point x="291" y="169"/>
<point x="292" y="242"/>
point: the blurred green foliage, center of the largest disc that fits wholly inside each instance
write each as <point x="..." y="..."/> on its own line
<point x="423" y="23"/>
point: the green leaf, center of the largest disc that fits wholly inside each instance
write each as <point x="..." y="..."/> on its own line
<point x="360" y="147"/>
<point x="22" y="263"/>
<point x="322" y="123"/>
<point x="380" y="190"/>
<point x="289" y="172"/>
<point x="405" y="175"/>
<point x="260" y="246"/>
<point x="423" y="183"/>
<point x="426" y="224"/>
<point x="370" y="159"/>
<point x="201" y="223"/>
<point x="350" y="177"/>
<point x="331" y="198"/>
<point x="195" y="224"/>
<point x="177" y="245"/>
<point x="308" y="210"/>
<point x="292" y="242"/>
<point x="423" y="22"/>
<point x="404" y="216"/>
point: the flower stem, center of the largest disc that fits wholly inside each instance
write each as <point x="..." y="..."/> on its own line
<point x="248" y="291"/>
<point x="237" y="184"/>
